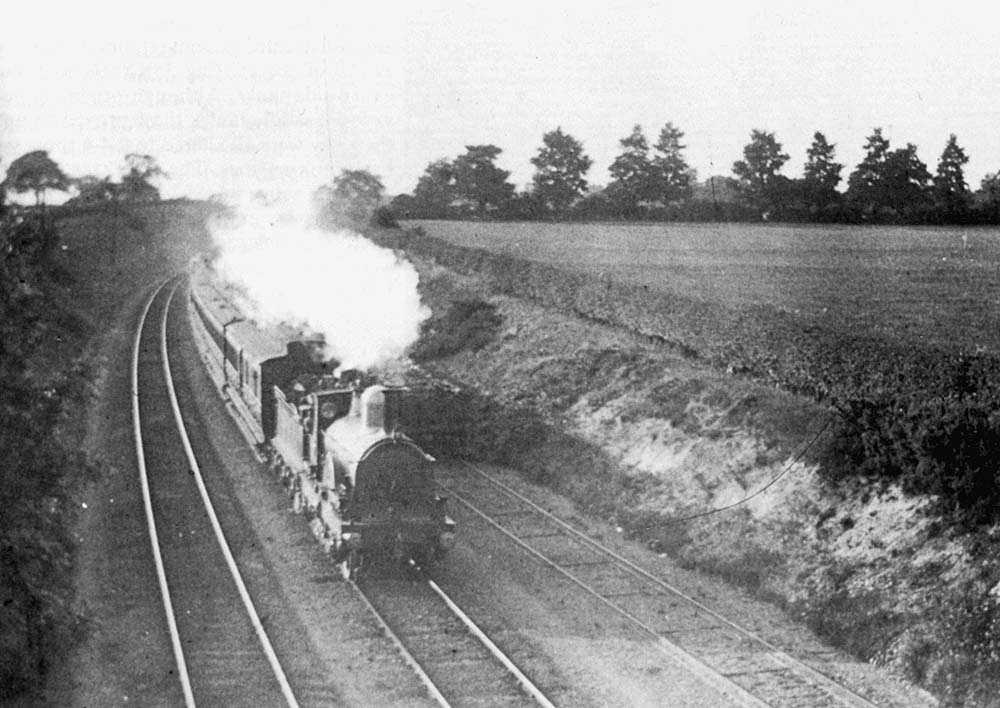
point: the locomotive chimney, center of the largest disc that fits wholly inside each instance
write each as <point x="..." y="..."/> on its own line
<point x="373" y="408"/>
<point x="381" y="408"/>
<point x="355" y="411"/>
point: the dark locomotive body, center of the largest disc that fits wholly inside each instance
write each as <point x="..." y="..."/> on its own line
<point x="368" y="487"/>
<point x="387" y="477"/>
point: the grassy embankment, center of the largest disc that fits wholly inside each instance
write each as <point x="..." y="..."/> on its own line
<point x="63" y="281"/>
<point x="629" y="402"/>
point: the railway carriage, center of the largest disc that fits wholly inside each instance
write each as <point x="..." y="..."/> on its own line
<point x="242" y="349"/>
<point x="340" y="448"/>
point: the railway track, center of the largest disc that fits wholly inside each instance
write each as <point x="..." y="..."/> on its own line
<point x="454" y="658"/>
<point x="461" y="667"/>
<point x="745" y="667"/>
<point x="222" y="653"/>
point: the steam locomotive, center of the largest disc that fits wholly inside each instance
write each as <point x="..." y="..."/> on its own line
<point x="337" y="444"/>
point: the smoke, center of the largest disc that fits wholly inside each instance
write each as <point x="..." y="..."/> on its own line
<point x="362" y="298"/>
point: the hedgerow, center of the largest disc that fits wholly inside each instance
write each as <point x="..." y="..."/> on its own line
<point x="924" y="416"/>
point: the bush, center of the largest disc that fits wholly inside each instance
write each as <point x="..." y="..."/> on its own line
<point x="383" y="217"/>
<point x="942" y="440"/>
<point x="37" y="618"/>
<point x="467" y="324"/>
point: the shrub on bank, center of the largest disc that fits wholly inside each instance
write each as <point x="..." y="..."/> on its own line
<point x="38" y="618"/>
<point x="941" y="439"/>
<point x="467" y="324"/>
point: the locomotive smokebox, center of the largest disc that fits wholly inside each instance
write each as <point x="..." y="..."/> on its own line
<point x="381" y="408"/>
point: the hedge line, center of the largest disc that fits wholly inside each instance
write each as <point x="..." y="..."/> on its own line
<point x="925" y="416"/>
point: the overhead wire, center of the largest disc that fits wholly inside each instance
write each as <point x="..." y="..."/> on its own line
<point x="326" y="99"/>
<point x="770" y="483"/>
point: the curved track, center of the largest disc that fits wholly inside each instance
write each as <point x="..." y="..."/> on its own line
<point x="222" y="652"/>
<point x="748" y="669"/>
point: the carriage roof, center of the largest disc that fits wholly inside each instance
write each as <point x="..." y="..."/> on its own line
<point x="258" y="343"/>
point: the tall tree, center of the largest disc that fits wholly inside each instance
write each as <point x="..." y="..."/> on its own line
<point x="990" y="187"/>
<point x="866" y="185"/>
<point x="951" y="193"/>
<point x="36" y="172"/>
<point x="759" y="168"/>
<point x="480" y="181"/>
<point x="633" y="176"/>
<point x="357" y="193"/>
<point x="94" y="190"/>
<point x="673" y="174"/>
<point x="907" y="182"/>
<point x="821" y="175"/>
<point x="989" y="195"/>
<point x="138" y="175"/>
<point x="560" y="166"/>
<point x="435" y="191"/>
<point x="890" y="182"/>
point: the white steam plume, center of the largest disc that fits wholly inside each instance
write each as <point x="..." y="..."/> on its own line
<point x="362" y="298"/>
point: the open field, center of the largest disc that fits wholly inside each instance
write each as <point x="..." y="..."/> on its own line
<point x="938" y="286"/>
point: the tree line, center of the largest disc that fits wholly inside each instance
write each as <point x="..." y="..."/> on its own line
<point x="655" y="182"/>
<point x="648" y="182"/>
<point x="37" y="173"/>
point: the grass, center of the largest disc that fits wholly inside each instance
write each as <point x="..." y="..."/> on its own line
<point x="914" y="284"/>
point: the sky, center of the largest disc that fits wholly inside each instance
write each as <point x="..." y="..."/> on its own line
<point x="283" y="99"/>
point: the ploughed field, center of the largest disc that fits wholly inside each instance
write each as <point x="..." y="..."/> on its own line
<point x="937" y="286"/>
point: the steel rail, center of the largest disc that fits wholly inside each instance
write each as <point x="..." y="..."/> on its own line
<point x="844" y="694"/>
<point x="410" y="660"/>
<point x="248" y="605"/>
<point x="710" y="676"/>
<point x="237" y="415"/>
<point x="147" y="502"/>
<point x="406" y="655"/>
<point x="479" y="634"/>
<point x="526" y="684"/>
